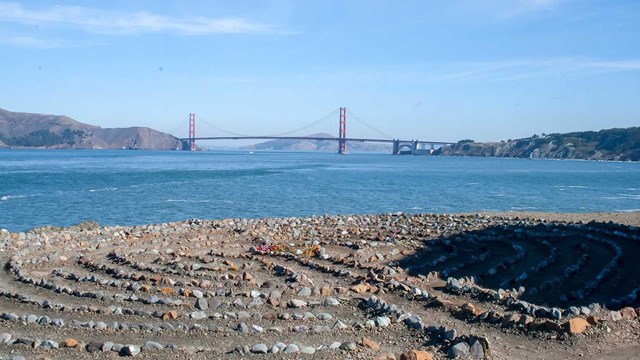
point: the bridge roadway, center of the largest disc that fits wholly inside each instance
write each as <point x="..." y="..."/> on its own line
<point x="412" y="146"/>
<point x="389" y="141"/>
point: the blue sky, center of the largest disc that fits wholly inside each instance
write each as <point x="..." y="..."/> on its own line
<point x="436" y="70"/>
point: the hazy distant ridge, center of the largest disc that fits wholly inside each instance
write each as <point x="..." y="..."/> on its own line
<point x="317" y="145"/>
<point x="609" y="144"/>
<point x="54" y="131"/>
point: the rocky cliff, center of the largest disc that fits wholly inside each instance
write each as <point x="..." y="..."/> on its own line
<point x="55" y="131"/>
<point x="609" y="144"/>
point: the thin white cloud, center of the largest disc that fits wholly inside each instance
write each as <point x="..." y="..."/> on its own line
<point x="28" y="42"/>
<point x="127" y="23"/>
<point x="480" y="72"/>
<point x="515" y="70"/>
<point x="506" y="9"/>
<point x="629" y="65"/>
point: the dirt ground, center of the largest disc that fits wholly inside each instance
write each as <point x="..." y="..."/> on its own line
<point x="362" y="287"/>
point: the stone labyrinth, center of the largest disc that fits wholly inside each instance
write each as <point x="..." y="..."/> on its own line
<point x="379" y="286"/>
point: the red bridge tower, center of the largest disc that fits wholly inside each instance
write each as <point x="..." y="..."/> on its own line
<point x="192" y="131"/>
<point x="342" y="134"/>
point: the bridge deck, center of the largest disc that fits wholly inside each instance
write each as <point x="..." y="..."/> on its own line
<point x="313" y="138"/>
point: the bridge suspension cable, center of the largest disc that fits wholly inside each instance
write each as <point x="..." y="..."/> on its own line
<point x="310" y="125"/>
<point x="180" y="125"/>
<point x="305" y="127"/>
<point x="371" y="127"/>
<point x="201" y="120"/>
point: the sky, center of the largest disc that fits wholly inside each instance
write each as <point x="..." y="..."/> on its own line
<point x="486" y="70"/>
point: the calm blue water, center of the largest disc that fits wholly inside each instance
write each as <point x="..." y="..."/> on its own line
<point x="63" y="187"/>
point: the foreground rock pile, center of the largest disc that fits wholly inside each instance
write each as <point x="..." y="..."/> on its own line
<point x="380" y="286"/>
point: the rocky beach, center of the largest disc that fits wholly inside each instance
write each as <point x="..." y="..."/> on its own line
<point x="388" y="286"/>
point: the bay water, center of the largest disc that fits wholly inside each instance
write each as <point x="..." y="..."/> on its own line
<point x="66" y="187"/>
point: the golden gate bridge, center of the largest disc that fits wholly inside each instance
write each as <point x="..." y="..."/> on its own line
<point x="399" y="146"/>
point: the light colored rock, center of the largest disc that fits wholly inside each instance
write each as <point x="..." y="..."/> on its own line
<point x="297" y="303"/>
<point x="304" y="292"/>
<point x="291" y="349"/>
<point x="260" y="349"/>
<point x="198" y="315"/>
<point x="307" y="350"/>
<point x="614" y="316"/>
<point x="330" y="301"/>
<point x="202" y="304"/>
<point x="257" y="328"/>
<point x="152" y="345"/>
<point x="383" y="321"/>
<point x="628" y="313"/>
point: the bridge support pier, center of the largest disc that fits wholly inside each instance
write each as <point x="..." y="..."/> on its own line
<point x="396" y="147"/>
<point x="413" y="147"/>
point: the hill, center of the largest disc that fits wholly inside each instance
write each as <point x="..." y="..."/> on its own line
<point x="19" y="129"/>
<point x="315" y="145"/>
<point x="609" y="144"/>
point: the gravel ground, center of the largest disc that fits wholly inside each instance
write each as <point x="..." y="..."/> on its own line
<point x="363" y="287"/>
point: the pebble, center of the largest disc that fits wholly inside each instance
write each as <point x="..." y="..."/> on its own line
<point x="383" y="321"/>
<point x="414" y="322"/>
<point x="49" y="344"/>
<point x="339" y="325"/>
<point x="130" y="350"/>
<point x="260" y="349"/>
<point x="458" y="350"/>
<point x="296" y="303"/>
<point x="198" y="315"/>
<point x="307" y="350"/>
<point x="202" y="304"/>
<point x="348" y="346"/>
<point x="93" y="346"/>
<point x="242" y="328"/>
<point x="291" y="348"/>
<point x="450" y="334"/>
<point x="476" y="351"/>
<point x="152" y="345"/>
<point x="331" y="302"/>
<point x="304" y="292"/>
